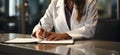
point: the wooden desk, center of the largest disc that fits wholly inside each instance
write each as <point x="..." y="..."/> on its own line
<point x="96" y="46"/>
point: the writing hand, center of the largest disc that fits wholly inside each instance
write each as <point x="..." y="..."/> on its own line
<point x="40" y="33"/>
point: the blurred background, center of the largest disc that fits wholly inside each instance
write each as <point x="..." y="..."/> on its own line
<point x="20" y="16"/>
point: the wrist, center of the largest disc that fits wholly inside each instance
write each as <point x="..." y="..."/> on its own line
<point x="66" y="36"/>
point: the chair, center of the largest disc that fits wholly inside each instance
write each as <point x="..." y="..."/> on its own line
<point x="108" y="29"/>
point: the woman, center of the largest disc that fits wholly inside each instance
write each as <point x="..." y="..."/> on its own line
<point x="70" y="19"/>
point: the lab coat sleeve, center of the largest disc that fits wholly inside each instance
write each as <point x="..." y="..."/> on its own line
<point x="47" y="19"/>
<point x="87" y="30"/>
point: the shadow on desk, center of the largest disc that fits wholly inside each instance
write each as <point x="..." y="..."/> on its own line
<point x="108" y="29"/>
<point x="9" y="50"/>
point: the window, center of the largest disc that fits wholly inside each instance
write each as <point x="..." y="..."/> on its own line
<point x="107" y="8"/>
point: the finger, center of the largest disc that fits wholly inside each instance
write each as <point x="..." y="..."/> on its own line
<point x="38" y="34"/>
<point x="45" y="33"/>
<point x="41" y="31"/>
<point x="49" y="38"/>
<point x="49" y="33"/>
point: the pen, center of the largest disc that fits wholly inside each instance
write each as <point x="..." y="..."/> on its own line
<point x="41" y="27"/>
<point x="43" y="37"/>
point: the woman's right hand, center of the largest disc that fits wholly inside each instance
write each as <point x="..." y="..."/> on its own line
<point x="40" y="33"/>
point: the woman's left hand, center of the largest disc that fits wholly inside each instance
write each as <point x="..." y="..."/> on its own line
<point x="56" y="36"/>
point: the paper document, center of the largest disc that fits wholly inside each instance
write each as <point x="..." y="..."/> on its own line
<point x="34" y="40"/>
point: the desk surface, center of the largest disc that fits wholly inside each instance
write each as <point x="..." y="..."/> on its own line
<point x="82" y="46"/>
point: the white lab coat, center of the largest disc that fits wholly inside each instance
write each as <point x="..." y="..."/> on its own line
<point x="55" y="17"/>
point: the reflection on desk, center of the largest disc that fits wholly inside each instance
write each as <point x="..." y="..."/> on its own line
<point x="83" y="47"/>
<point x="86" y="48"/>
<point x="46" y="47"/>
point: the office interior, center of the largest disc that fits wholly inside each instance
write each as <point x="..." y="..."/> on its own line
<point x="20" y="16"/>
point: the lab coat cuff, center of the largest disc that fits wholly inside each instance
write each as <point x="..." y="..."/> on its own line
<point x="74" y="36"/>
